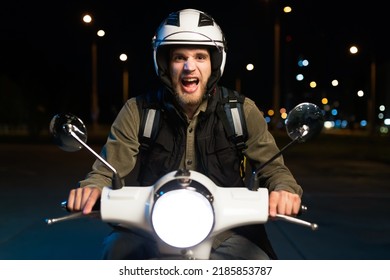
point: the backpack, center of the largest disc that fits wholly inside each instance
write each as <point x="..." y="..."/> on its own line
<point x="232" y="117"/>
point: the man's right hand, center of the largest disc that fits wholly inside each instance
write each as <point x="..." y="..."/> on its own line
<point x="83" y="199"/>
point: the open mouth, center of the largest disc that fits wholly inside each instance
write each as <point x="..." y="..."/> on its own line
<point x="189" y="81"/>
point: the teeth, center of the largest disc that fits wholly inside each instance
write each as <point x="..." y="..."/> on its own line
<point x="190" y="80"/>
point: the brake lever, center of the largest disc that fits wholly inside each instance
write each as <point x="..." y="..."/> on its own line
<point x="72" y="216"/>
<point x="95" y="213"/>
<point x="295" y="220"/>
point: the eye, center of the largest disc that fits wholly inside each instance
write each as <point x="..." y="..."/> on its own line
<point x="178" y="57"/>
<point x="202" y="56"/>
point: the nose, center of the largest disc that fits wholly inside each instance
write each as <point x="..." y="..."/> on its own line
<point x="189" y="65"/>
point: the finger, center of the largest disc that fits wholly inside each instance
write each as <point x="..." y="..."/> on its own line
<point x="282" y="203"/>
<point x="70" y="201"/>
<point x="289" y="203"/>
<point x="78" y="197"/>
<point x="84" y="196"/>
<point x="297" y="205"/>
<point x="94" y="195"/>
<point x="273" y="203"/>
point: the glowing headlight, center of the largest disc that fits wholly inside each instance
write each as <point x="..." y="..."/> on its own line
<point x="182" y="217"/>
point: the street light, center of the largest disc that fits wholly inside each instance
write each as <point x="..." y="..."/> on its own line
<point x="87" y="18"/>
<point x="125" y="76"/>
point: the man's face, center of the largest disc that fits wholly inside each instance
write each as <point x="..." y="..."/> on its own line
<point x="190" y="69"/>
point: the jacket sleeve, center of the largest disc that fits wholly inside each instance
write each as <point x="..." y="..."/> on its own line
<point x="261" y="146"/>
<point x="120" y="149"/>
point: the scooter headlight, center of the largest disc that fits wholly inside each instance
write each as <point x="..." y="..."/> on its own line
<point x="182" y="215"/>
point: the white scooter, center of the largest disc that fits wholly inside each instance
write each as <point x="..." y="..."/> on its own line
<point x="184" y="210"/>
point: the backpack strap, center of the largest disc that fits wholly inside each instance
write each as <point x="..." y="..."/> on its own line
<point x="149" y="126"/>
<point x="233" y="117"/>
<point x="150" y="114"/>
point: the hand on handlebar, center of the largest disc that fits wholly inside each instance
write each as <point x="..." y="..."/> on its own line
<point x="83" y="199"/>
<point x="285" y="206"/>
<point x="284" y="202"/>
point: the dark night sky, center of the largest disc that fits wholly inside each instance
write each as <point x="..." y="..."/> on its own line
<point x="46" y="57"/>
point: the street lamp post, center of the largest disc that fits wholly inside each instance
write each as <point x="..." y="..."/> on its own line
<point x="276" y="86"/>
<point x="94" y="91"/>
<point x="371" y="100"/>
<point x="277" y="46"/>
<point x="125" y="77"/>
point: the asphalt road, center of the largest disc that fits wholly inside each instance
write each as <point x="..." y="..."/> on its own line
<point x="345" y="183"/>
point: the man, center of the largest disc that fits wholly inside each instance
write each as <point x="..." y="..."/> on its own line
<point x="189" y="57"/>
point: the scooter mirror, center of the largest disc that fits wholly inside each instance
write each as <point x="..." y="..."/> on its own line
<point x="60" y="126"/>
<point x="70" y="135"/>
<point x="304" y="122"/>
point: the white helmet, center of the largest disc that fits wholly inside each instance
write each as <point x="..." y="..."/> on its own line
<point x="189" y="27"/>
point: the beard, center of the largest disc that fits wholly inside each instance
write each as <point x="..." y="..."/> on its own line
<point x="190" y="100"/>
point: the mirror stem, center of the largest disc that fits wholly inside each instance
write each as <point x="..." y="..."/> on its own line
<point x="254" y="182"/>
<point x="116" y="180"/>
